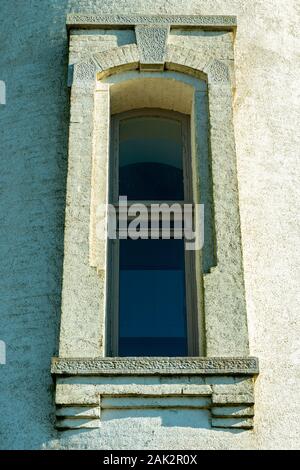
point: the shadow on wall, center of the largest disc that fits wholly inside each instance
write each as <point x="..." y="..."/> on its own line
<point x="186" y="418"/>
<point x="140" y="427"/>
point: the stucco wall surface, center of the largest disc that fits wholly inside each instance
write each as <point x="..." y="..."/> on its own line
<point x="34" y="136"/>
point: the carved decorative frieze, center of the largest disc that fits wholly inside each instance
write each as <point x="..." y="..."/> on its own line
<point x="154" y="366"/>
<point x="214" y="22"/>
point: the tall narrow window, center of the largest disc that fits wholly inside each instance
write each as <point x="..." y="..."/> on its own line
<point x="152" y="312"/>
<point x="151" y="158"/>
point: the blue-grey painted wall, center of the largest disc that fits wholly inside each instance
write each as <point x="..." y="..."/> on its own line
<point x="34" y="133"/>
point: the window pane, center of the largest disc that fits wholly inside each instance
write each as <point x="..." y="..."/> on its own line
<point x="152" y="308"/>
<point x="150" y="159"/>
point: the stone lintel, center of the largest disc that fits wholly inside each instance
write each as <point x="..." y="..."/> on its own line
<point x="155" y="366"/>
<point x="94" y="21"/>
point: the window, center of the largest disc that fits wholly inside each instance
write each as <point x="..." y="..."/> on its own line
<point x="164" y="67"/>
<point x="150" y="158"/>
<point x="151" y="283"/>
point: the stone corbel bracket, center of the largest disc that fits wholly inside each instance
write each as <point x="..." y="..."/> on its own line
<point x="224" y="386"/>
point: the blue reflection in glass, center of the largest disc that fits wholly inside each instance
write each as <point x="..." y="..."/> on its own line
<point x="150" y="159"/>
<point x="152" y="308"/>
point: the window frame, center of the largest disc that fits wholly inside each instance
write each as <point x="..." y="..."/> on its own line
<point x="100" y="78"/>
<point x="192" y="304"/>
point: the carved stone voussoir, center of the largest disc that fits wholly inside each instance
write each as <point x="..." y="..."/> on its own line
<point x="221" y="384"/>
<point x="152" y="43"/>
<point x="85" y="72"/>
<point x="156" y="366"/>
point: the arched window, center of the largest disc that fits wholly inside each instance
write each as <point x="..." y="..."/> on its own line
<point x="152" y="297"/>
<point x="151" y="279"/>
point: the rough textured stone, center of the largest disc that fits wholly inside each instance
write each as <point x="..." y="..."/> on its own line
<point x="86" y="399"/>
<point x="152" y="44"/>
<point x="220" y="42"/>
<point x="153" y="366"/>
<point x="92" y="99"/>
<point x="225" y="411"/>
<point x="84" y="72"/>
<point x="237" y="423"/>
<point x="223" y="286"/>
<point x="76" y="20"/>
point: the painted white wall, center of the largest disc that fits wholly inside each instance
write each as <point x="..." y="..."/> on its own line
<point x="33" y="170"/>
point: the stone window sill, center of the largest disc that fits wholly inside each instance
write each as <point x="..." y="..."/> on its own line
<point x="222" y="385"/>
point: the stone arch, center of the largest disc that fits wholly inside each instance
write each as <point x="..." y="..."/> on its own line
<point x="126" y="58"/>
<point x="163" y="91"/>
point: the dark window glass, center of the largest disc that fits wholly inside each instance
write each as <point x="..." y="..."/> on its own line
<point x="152" y="308"/>
<point x="150" y="159"/>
